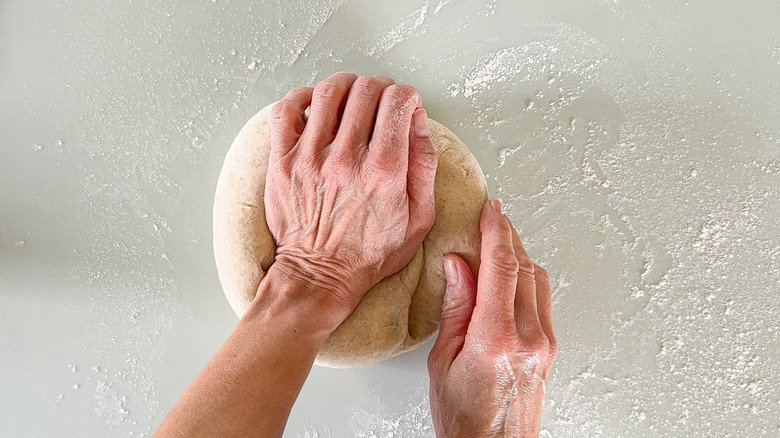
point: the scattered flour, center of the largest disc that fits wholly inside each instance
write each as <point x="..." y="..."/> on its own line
<point x="414" y="421"/>
<point x="645" y="188"/>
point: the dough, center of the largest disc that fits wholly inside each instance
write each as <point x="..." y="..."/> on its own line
<point x="401" y="311"/>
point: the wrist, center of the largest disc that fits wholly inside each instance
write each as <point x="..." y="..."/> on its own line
<point x="326" y="283"/>
<point x="291" y="293"/>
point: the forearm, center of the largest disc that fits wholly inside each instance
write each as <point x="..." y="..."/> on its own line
<point x="250" y="385"/>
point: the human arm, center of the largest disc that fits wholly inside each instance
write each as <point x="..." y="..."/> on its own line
<point x="249" y="387"/>
<point x="495" y="350"/>
<point x="349" y="198"/>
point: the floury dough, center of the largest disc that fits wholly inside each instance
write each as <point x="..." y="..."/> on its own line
<point x="398" y="313"/>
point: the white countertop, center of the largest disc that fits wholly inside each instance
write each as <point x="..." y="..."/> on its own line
<point x="636" y="148"/>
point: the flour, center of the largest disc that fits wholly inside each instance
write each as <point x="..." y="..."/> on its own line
<point x="413" y="421"/>
<point x="385" y="39"/>
<point x="635" y="147"/>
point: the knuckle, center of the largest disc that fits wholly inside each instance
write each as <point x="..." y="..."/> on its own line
<point x="427" y="158"/>
<point x="340" y="160"/>
<point x="401" y="92"/>
<point x="503" y="261"/>
<point x="305" y="165"/>
<point x="496" y="225"/>
<point x="553" y="352"/>
<point x="280" y="110"/>
<point x="393" y="143"/>
<point x="525" y="265"/>
<point x="326" y="90"/>
<point x="367" y="86"/>
<point x="535" y="341"/>
<point x="451" y="308"/>
<point x="434" y="364"/>
<point x="387" y="172"/>
<point x="537" y="348"/>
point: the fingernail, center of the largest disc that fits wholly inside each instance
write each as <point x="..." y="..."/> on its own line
<point x="496" y="205"/>
<point x="450" y="272"/>
<point x="421" y="128"/>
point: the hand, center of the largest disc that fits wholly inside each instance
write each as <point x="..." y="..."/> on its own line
<point x="496" y="347"/>
<point x="349" y="197"/>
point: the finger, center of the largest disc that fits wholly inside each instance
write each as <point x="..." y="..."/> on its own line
<point x="420" y="177"/>
<point x="497" y="272"/>
<point x="457" y="307"/>
<point x="287" y="120"/>
<point x="526" y="311"/>
<point x="327" y="105"/>
<point x="360" y="111"/>
<point x="544" y="306"/>
<point x="389" y="146"/>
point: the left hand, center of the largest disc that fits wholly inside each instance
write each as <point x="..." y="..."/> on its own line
<point x="349" y="197"/>
<point x="496" y="347"/>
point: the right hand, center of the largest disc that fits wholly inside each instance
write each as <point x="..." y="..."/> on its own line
<point x="495" y="349"/>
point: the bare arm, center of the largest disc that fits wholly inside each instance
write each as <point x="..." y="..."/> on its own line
<point x="249" y="387"/>
<point x="349" y="198"/>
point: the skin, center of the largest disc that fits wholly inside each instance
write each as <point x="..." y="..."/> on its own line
<point x="349" y="199"/>
<point x="495" y="349"/>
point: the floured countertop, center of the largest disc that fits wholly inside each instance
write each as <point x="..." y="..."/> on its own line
<point x="636" y="148"/>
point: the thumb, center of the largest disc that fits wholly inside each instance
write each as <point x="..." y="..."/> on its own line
<point x="459" y="300"/>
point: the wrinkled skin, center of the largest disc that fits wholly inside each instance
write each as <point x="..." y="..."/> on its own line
<point x="495" y="349"/>
<point x="349" y="200"/>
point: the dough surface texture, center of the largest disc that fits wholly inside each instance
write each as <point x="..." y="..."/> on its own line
<point x="401" y="311"/>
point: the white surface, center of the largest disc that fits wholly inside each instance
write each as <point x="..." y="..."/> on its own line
<point x="636" y="146"/>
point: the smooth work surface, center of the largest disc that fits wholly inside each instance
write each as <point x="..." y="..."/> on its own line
<point x="636" y="147"/>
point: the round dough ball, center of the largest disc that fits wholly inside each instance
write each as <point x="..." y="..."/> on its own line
<point x="398" y="313"/>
